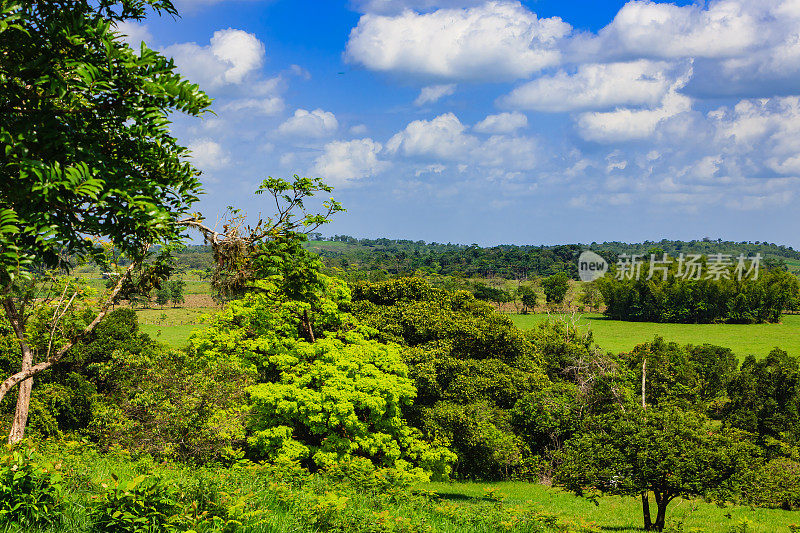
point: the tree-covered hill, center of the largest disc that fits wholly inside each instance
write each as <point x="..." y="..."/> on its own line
<point x="400" y="256"/>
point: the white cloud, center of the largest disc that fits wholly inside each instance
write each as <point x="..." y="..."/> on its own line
<point x="208" y="154"/>
<point x="634" y="124"/>
<point x="393" y="7"/>
<point x="430" y="169"/>
<point x="496" y="40"/>
<point x="642" y="28"/>
<point x="358" y="129"/>
<point x="628" y="124"/>
<point x="134" y="33"/>
<point x="767" y="130"/>
<point x="502" y="123"/>
<point x="596" y="86"/>
<point x="271" y="105"/>
<point x="229" y="58"/>
<point x="508" y="153"/>
<point x="300" y="72"/>
<point x="433" y="93"/>
<point x="442" y="137"/>
<point x="315" y="124"/>
<point x="344" y="162"/>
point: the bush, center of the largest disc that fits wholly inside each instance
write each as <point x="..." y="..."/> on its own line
<point x="776" y="484"/>
<point x="143" y="504"/>
<point x="30" y="490"/>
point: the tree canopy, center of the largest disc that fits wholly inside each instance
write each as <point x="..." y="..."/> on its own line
<point x="89" y="161"/>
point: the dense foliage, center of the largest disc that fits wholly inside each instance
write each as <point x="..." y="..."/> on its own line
<point x="701" y="301"/>
<point x="484" y="386"/>
<point x="84" y="130"/>
<point x="90" y="167"/>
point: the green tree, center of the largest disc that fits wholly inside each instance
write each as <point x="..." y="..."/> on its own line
<point x="162" y="295"/>
<point x="88" y="156"/>
<point x="528" y="297"/>
<point x="666" y="452"/>
<point x="324" y="399"/>
<point x="765" y="397"/>
<point x="176" y="288"/>
<point x="590" y="295"/>
<point x="555" y="288"/>
<point x="481" y="382"/>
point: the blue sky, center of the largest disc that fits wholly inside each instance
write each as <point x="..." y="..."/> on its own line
<point x="501" y="121"/>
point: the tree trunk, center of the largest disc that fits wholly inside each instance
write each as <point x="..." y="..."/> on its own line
<point x="24" y="378"/>
<point x="648" y="524"/>
<point x="644" y="378"/>
<point x="662" y="511"/>
<point x="23" y="399"/>
<point x="308" y="327"/>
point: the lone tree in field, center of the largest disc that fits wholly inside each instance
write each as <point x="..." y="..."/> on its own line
<point x="666" y="452"/>
<point x="176" y="288"/>
<point x="555" y="288"/>
<point x="88" y="159"/>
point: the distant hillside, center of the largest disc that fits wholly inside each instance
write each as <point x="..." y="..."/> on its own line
<point x="398" y="257"/>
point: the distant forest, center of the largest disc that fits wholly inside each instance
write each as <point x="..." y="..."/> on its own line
<point x="405" y="257"/>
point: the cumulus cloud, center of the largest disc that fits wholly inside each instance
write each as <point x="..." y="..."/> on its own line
<point x="642" y="28"/>
<point x="767" y="129"/>
<point x="739" y="47"/>
<point x="502" y="123"/>
<point x="208" y="154"/>
<point x="445" y="138"/>
<point x="627" y="124"/>
<point x="433" y="93"/>
<point x="508" y="153"/>
<point x="315" y="124"/>
<point x="596" y="86"/>
<point x="496" y="40"/>
<point x="229" y="58"/>
<point x="442" y="137"/>
<point x="344" y="162"/>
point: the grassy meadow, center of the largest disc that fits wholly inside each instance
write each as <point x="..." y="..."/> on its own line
<point x="283" y="503"/>
<point x="743" y="339"/>
<point x="620" y="514"/>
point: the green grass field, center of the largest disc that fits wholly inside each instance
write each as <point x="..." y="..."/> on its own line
<point x="622" y="514"/>
<point x="179" y="323"/>
<point x="743" y="339"/>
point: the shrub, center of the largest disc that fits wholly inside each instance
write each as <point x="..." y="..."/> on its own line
<point x="776" y="484"/>
<point x="30" y="490"/>
<point x="143" y="504"/>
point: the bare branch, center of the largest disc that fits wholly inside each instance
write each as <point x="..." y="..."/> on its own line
<point x="57" y="319"/>
<point x="17" y="378"/>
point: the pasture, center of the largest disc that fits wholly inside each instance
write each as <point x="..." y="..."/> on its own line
<point x="620" y="514"/>
<point x="618" y="336"/>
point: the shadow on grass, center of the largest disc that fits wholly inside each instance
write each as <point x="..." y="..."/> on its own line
<point x="457" y="496"/>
